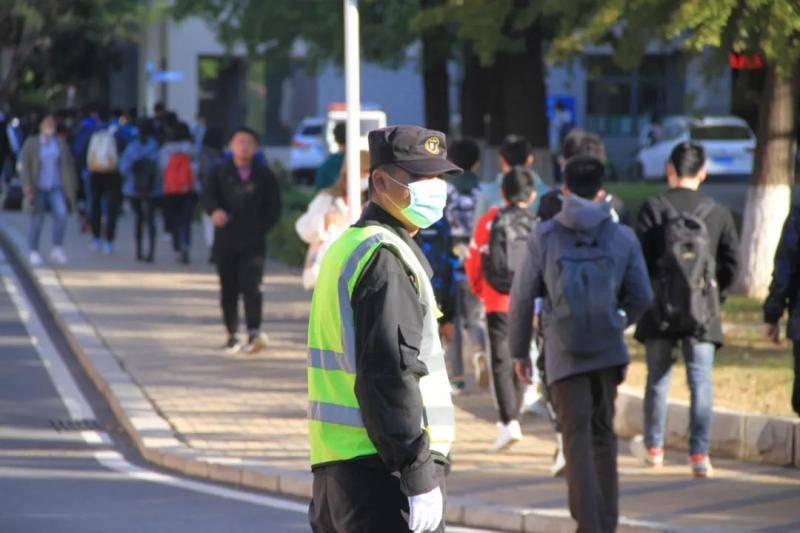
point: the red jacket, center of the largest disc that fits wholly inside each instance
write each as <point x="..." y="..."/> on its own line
<point x="493" y="301"/>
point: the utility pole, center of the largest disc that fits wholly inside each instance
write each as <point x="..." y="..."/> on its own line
<point x="353" y="103"/>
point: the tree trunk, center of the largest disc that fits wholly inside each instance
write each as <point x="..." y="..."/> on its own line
<point x="435" y="79"/>
<point x="769" y="191"/>
<point x="474" y="96"/>
<point x="519" y="94"/>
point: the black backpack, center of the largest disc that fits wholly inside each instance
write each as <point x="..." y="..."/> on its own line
<point x="582" y="308"/>
<point x="507" y="241"/>
<point x="685" y="278"/>
<point x="144" y="176"/>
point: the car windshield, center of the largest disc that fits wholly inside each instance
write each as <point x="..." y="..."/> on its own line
<point x="368" y="125"/>
<point x="315" y="129"/>
<point x="719" y="133"/>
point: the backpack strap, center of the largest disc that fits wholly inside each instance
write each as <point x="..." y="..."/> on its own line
<point x="667" y="206"/>
<point x="704" y="209"/>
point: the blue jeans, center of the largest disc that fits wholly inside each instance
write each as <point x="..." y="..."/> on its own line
<point x="699" y="358"/>
<point x="468" y="316"/>
<point x="55" y="200"/>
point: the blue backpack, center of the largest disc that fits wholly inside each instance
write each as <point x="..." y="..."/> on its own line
<point x="581" y="311"/>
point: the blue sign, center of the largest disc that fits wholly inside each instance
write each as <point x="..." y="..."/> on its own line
<point x="166" y="76"/>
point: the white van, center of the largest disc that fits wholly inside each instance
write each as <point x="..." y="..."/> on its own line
<point x="371" y="118"/>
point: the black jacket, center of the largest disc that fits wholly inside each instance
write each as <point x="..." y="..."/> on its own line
<point x="253" y="206"/>
<point x="785" y="287"/>
<point x="724" y="242"/>
<point x="550" y="205"/>
<point x="388" y="324"/>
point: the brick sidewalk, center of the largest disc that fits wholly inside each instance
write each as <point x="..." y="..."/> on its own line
<point x="162" y="323"/>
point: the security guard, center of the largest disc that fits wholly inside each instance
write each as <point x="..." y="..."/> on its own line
<point x="381" y="419"/>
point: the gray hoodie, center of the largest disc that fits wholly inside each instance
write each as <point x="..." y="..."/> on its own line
<point x="635" y="294"/>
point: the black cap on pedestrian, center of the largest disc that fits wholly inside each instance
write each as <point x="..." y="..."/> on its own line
<point x="418" y="151"/>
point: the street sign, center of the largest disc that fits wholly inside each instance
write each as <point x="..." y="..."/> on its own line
<point x="166" y="76"/>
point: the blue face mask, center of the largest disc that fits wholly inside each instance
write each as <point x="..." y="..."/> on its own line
<point x="428" y="199"/>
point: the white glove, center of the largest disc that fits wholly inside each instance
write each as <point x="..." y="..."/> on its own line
<point x="425" y="511"/>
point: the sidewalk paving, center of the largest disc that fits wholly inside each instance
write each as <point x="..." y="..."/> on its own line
<point x="162" y="323"/>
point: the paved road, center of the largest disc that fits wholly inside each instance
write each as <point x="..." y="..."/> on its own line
<point x="81" y="481"/>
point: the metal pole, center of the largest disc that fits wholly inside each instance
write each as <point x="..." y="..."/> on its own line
<point x="353" y="103"/>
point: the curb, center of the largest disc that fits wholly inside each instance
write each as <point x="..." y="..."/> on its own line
<point x="155" y="441"/>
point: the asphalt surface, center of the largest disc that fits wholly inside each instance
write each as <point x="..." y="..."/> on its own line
<point x="69" y="480"/>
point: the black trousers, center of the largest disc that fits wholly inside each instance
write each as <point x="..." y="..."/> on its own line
<point x="509" y="391"/>
<point x="108" y="186"/>
<point x="145" y="211"/>
<point x="240" y="272"/>
<point x="179" y="210"/>
<point x="585" y="408"/>
<point x="353" y="497"/>
<point x="796" y="387"/>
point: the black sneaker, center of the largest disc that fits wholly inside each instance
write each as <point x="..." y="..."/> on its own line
<point x="233" y="345"/>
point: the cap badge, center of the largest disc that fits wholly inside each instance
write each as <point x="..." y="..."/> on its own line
<point x="432" y="145"/>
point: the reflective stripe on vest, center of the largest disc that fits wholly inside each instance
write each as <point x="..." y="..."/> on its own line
<point x="336" y="428"/>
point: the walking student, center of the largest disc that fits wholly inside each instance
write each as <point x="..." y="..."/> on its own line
<point x="244" y="201"/>
<point x="593" y="280"/>
<point x="462" y="197"/>
<point x="783" y="295"/>
<point x="326" y="218"/>
<point x="689" y="288"/>
<point x="515" y="151"/>
<point x="139" y="167"/>
<point x="49" y="183"/>
<point x="381" y="420"/>
<point x="179" y="168"/>
<point x="105" y="183"/>
<point x="495" y="252"/>
<point x="577" y="143"/>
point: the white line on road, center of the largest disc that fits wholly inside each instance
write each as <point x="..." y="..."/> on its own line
<point x="79" y="409"/>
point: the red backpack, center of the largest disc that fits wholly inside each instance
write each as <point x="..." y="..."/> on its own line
<point x="178" y="178"/>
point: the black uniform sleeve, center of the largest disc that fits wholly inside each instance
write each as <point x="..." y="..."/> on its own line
<point x="388" y="326"/>
<point x="272" y="200"/>
<point x="784" y="275"/>
<point x="727" y="254"/>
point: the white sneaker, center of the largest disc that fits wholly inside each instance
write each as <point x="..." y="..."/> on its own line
<point x="533" y="403"/>
<point x="510" y="434"/>
<point x="35" y="259"/>
<point x="256" y="343"/>
<point x="95" y="245"/>
<point x="58" y="256"/>
<point x="652" y="457"/>
<point x="559" y="461"/>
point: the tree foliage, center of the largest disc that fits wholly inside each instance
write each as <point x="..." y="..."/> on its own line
<point x="272" y="30"/>
<point x="54" y="42"/>
<point x="770" y="28"/>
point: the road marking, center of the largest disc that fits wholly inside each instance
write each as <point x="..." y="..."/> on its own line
<point x="79" y="409"/>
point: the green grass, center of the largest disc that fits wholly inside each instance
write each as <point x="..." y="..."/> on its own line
<point x="634" y="194"/>
<point x="283" y="243"/>
<point x="750" y="373"/>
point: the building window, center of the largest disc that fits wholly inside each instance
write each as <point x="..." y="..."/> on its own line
<point x="620" y="103"/>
